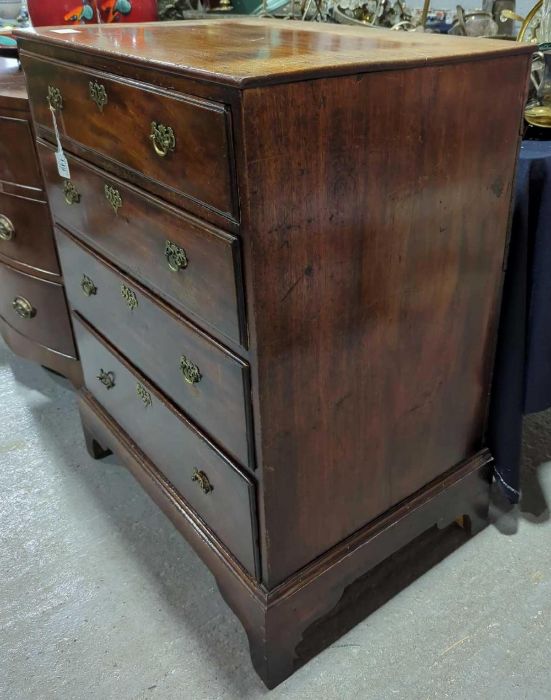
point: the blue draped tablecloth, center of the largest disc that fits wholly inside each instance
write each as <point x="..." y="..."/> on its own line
<point x="522" y="375"/>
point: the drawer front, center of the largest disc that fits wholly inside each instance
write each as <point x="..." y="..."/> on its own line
<point x="193" y="267"/>
<point x="198" y="160"/>
<point x="37" y="309"/>
<point x="26" y="234"/>
<point x="211" y="484"/>
<point x="18" y="161"/>
<point x="208" y="382"/>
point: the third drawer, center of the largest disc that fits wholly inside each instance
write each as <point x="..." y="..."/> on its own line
<point x="205" y="379"/>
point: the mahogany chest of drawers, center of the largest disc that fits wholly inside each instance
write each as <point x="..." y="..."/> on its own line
<point x="283" y="248"/>
<point x="34" y="319"/>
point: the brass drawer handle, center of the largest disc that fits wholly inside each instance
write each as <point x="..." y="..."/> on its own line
<point x="98" y="94"/>
<point x="87" y="286"/>
<point x="54" y="98"/>
<point x="163" y="139"/>
<point x="107" y="379"/>
<point x="129" y="297"/>
<point x="143" y="394"/>
<point x="202" y="479"/>
<point x="191" y="372"/>
<point x="175" y="256"/>
<point x="7" y="229"/>
<point x="23" y="308"/>
<point x="70" y="192"/>
<point x="113" y="196"/>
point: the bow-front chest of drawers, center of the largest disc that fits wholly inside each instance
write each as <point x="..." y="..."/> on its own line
<point x="283" y="248"/>
<point x="34" y="318"/>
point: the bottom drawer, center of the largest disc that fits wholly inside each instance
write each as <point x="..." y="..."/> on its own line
<point x="37" y="309"/>
<point x="214" y="487"/>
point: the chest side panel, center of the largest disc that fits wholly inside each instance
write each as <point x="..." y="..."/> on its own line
<point x="374" y="231"/>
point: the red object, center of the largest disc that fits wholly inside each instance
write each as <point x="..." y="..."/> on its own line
<point x="70" y="12"/>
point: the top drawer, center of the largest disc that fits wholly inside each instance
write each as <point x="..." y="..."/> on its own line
<point x="178" y="141"/>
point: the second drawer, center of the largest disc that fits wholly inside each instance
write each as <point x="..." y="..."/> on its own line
<point x="212" y="485"/>
<point x="210" y="383"/>
<point x="194" y="267"/>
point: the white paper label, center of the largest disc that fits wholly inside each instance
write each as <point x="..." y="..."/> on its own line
<point x="65" y="31"/>
<point x="62" y="165"/>
<point x="61" y="160"/>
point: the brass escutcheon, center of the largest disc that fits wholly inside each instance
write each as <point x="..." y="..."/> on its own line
<point x="176" y="257"/>
<point x="113" y="196"/>
<point x="129" y="297"/>
<point x="143" y="394"/>
<point x="7" y="229"/>
<point x="98" y="94"/>
<point x="191" y="372"/>
<point x="202" y="479"/>
<point x="70" y="192"/>
<point x="87" y="286"/>
<point x="54" y="98"/>
<point x="163" y="139"/>
<point x="107" y="378"/>
<point x="23" y="308"/>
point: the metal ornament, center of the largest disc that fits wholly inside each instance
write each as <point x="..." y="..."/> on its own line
<point x="54" y="98"/>
<point x="23" y="308"/>
<point x="162" y="138"/>
<point x="191" y="372"/>
<point x="107" y="379"/>
<point x="175" y="256"/>
<point x="143" y="394"/>
<point x="70" y="192"/>
<point x="113" y="196"/>
<point x="87" y="286"/>
<point x="7" y="229"/>
<point x="98" y="94"/>
<point x="129" y="297"/>
<point x="202" y="480"/>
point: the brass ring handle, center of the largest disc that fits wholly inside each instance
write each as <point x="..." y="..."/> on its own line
<point x="202" y="480"/>
<point x="190" y="371"/>
<point x="163" y="139"/>
<point x="113" y="196"/>
<point x="176" y="257"/>
<point x="107" y="379"/>
<point x="87" y="286"/>
<point x="98" y="94"/>
<point x="70" y="192"/>
<point x="23" y="308"/>
<point x="7" y="229"/>
<point x="54" y="98"/>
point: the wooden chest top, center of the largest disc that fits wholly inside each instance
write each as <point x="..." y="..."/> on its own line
<point x="258" y="51"/>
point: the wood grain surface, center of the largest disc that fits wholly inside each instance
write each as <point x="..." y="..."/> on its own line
<point x="199" y="166"/>
<point x="252" y="51"/>
<point x="155" y="338"/>
<point x="135" y="236"/>
<point x="180" y="450"/>
<point x="32" y="244"/>
<point x="50" y="326"/>
<point x="374" y="237"/>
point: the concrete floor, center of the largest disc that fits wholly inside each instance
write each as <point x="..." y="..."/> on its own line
<point x="101" y="598"/>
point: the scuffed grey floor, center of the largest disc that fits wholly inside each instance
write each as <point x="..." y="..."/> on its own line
<point x="101" y="598"/>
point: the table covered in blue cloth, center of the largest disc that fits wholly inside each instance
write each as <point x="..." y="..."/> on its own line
<point x="522" y="377"/>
